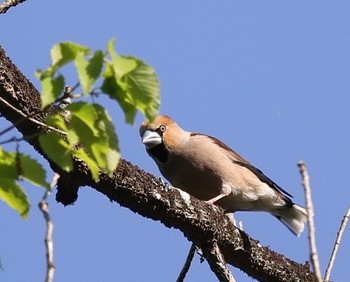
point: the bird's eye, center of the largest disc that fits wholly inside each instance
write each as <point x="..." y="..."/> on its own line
<point x="162" y="128"/>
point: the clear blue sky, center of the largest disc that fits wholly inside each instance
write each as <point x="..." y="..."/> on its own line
<point x="269" y="78"/>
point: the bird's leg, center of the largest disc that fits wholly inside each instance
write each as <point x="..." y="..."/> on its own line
<point x="225" y="191"/>
<point x="213" y="200"/>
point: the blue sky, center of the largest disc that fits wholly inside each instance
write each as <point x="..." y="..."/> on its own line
<point x="269" y="78"/>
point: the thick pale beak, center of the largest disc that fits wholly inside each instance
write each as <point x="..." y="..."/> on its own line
<point x="151" y="139"/>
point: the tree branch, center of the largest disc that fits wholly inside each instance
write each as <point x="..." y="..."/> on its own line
<point x="8" y="4"/>
<point x="336" y="245"/>
<point x="187" y="264"/>
<point x="144" y="194"/>
<point x="217" y="262"/>
<point x="44" y="208"/>
<point x="310" y="219"/>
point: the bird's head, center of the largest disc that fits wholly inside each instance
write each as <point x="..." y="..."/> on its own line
<point x="161" y="136"/>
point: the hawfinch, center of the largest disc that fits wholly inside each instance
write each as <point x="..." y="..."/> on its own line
<point x="209" y="170"/>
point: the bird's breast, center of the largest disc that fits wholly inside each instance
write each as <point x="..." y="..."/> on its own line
<point x="196" y="177"/>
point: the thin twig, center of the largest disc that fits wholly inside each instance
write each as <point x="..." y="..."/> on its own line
<point x="44" y="207"/>
<point x="8" y="129"/>
<point x="18" y="122"/>
<point x="336" y="245"/>
<point x="19" y="139"/>
<point x="12" y="139"/>
<point x="31" y="119"/>
<point x="8" y="4"/>
<point x="75" y="86"/>
<point x="217" y="262"/>
<point x="187" y="264"/>
<point x="64" y="100"/>
<point x="310" y="218"/>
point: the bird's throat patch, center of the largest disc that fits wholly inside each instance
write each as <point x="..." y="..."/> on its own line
<point x="159" y="152"/>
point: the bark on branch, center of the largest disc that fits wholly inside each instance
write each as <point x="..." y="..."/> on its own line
<point x="147" y="195"/>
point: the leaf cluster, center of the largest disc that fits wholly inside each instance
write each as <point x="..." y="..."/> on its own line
<point x="14" y="167"/>
<point x="80" y="129"/>
<point x="125" y="79"/>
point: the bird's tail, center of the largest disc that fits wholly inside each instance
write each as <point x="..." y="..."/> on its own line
<point x="294" y="217"/>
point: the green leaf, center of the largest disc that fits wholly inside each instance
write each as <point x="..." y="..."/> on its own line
<point x="94" y="169"/>
<point x="111" y="156"/>
<point x="57" y="121"/>
<point x="89" y="71"/>
<point x="14" y="196"/>
<point x="32" y="171"/>
<point x="57" y="149"/>
<point x="8" y="170"/>
<point x="91" y="127"/>
<point x="111" y="87"/>
<point x="65" y="52"/>
<point x="111" y="48"/>
<point x="13" y="165"/>
<point x="132" y="83"/>
<point x="96" y="133"/>
<point x="121" y="65"/>
<point x="143" y="86"/>
<point x="72" y="137"/>
<point x="8" y="165"/>
<point x="61" y="54"/>
<point x="105" y="126"/>
<point x="86" y="116"/>
<point x="112" y="160"/>
<point x="51" y="89"/>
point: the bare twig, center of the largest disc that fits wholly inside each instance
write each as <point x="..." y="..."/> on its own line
<point x="310" y="218"/>
<point x="217" y="262"/>
<point x="62" y="101"/>
<point x="8" y="4"/>
<point x="12" y="139"/>
<point x="24" y="118"/>
<point x="75" y="86"/>
<point x="336" y="245"/>
<point x="30" y="118"/>
<point x="7" y="129"/>
<point x="44" y="207"/>
<point x="187" y="264"/>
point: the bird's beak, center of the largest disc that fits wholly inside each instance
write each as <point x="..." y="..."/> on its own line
<point x="151" y="139"/>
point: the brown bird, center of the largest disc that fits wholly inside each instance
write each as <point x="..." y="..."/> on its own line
<point x="209" y="170"/>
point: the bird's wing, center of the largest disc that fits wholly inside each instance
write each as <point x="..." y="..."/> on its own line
<point x="237" y="159"/>
<point x="264" y="178"/>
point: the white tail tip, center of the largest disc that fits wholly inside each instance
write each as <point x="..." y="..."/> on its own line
<point x="293" y="217"/>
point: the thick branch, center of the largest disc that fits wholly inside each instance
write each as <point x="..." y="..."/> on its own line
<point x="217" y="262"/>
<point x="7" y="4"/>
<point x="142" y="193"/>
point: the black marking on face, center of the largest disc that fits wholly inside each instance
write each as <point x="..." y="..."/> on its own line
<point x="159" y="152"/>
<point x="161" y="129"/>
